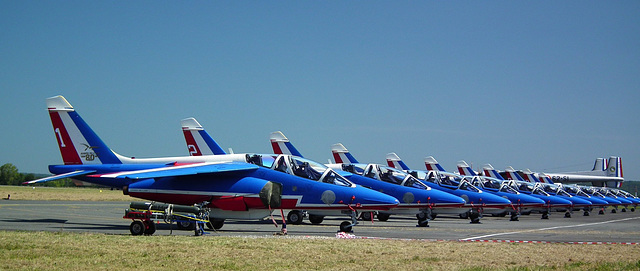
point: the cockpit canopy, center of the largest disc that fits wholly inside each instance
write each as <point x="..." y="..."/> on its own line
<point x="300" y="167"/>
<point x="386" y="174"/>
<point x="592" y="191"/>
<point x="575" y="190"/>
<point x="491" y="183"/>
<point x="527" y="187"/>
<point x="552" y="189"/>
<point x="449" y="179"/>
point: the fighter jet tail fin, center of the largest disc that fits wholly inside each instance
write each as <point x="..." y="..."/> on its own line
<point x="78" y="143"/>
<point x="199" y="142"/>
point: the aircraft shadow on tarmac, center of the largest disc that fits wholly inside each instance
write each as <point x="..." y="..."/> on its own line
<point x="69" y="225"/>
<point x="57" y="221"/>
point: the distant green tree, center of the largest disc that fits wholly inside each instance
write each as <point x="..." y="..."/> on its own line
<point x="9" y="175"/>
<point x="25" y="177"/>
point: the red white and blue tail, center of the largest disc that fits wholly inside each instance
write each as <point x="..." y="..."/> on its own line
<point x="530" y="176"/>
<point x="341" y="155"/>
<point x="465" y="170"/>
<point x="544" y="178"/>
<point x="199" y="142"/>
<point x="511" y="174"/>
<point x="394" y="161"/>
<point x="489" y="171"/>
<point x="281" y="144"/>
<point x="432" y="164"/>
<point x="78" y="143"/>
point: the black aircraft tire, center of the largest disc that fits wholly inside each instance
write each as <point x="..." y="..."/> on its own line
<point x="464" y="215"/>
<point x="366" y="216"/>
<point x="421" y="216"/>
<point x="150" y="229"/>
<point x="217" y="224"/>
<point x="345" y="226"/>
<point x="294" y="217"/>
<point x="136" y="228"/>
<point x="186" y="225"/>
<point x="383" y="217"/>
<point x="423" y="223"/>
<point x="316" y="219"/>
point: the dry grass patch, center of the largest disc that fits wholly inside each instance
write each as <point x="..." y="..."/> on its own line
<point x="62" y="193"/>
<point x="47" y="250"/>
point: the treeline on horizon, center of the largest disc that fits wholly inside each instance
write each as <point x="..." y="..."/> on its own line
<point x="9" y="175"/>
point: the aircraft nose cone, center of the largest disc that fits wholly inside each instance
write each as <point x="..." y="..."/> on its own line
<point x="491" y="199"/>
<point x="597" y="201"/>
<point x="374" y="200"/>
<point x="558" y="201"/>
<point x="579" y="201"/>
<point x="529" y="200"/>
<point x="443" y="198"/>
<point x="623" y="200"/>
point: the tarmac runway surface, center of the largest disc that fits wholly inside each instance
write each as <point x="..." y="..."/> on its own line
<point x="106" y="217"/>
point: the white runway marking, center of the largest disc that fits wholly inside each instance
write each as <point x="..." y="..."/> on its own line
<point x="550" y="228"/>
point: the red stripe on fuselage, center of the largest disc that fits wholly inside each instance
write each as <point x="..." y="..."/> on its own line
<point x="67" y="149"/>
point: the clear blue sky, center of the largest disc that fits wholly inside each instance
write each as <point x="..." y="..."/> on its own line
<point x="545" y="85"/>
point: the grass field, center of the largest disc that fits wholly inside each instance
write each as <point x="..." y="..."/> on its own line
<point x="62" y="193"/>
<point x="72" y="251"/>
<point x="63" y="251"/>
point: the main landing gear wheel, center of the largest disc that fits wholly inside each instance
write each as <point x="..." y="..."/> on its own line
<point x="586" y="213"/>
<point x="383" y="217"/>
<point x="316" y="219"/>
<point x="624" y="210"/>
<point x="475" y="218"/>
<point x="545" y="215"/>
<point x="137" y="228"/>
<point x="294" y="217"/>
<point x="422" y="216"/>
<point x="215" y="224"/>
<point x="514" y="216"/>
<point x="423" y="223"/>
<point x="613" y="211"/>
<point x="186" y="225"/>
<point x="366" y="216"/>
<point x="601" y="212"/>
<point x="633" y="209"/>
<point x="346" y="226"/>
<point x="567" y="215"/>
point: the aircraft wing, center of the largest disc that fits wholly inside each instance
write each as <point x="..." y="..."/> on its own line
<point x="61" y="176"/>
<point x="183" y="170"/>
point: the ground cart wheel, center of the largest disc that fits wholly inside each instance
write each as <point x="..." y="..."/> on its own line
<point x="150" y="228"/>
<point x="137" y="228"/>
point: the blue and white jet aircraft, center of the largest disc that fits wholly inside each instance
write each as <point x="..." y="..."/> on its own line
<point x="415" y="197"/>
<point x="238" y="186"/>
<point x="482" y="202"/>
